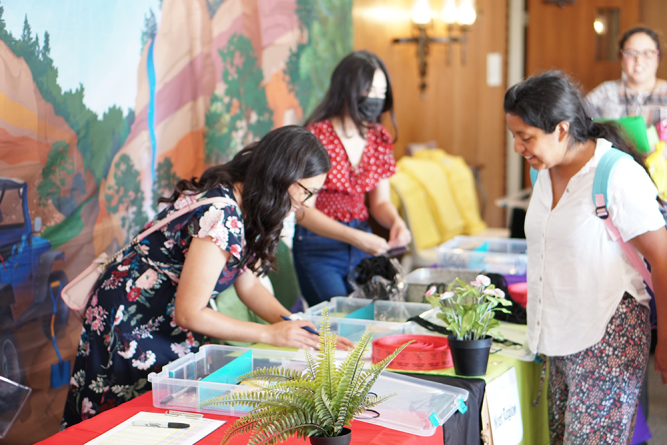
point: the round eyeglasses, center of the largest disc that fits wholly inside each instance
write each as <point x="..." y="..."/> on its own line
<point x="646" y="54"/>
<point x="309" y="193"/>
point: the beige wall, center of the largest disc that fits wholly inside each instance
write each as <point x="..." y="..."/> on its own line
<point x="459" y="111"/>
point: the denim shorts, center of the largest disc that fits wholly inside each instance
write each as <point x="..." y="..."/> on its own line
<point x="323" y="264"/>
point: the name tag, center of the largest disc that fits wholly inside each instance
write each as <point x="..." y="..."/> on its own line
<point x="502" y="396"/>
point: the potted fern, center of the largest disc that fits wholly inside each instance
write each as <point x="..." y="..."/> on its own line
<point x="318" y="402"/>
<point x="468" y="311"/>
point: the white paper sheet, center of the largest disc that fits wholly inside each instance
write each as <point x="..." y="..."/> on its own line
<point x="128" y="434"/>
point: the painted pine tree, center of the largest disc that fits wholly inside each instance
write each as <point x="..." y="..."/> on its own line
<point x="242" y="114"/>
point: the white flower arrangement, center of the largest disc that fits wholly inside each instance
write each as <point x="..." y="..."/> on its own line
<point x="468" y="309"/>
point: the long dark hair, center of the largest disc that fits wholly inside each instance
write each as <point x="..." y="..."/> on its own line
<point x="637" y="30"/>
<point x="350" y="82"/>
<point x="550" y="98"/>
<point x="266" y="169"/>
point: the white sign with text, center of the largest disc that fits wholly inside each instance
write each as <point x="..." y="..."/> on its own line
<point x="502" y="396"/>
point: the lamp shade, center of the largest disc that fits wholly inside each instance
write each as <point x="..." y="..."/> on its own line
<point x="449" y="12"/>
<point x="466" y="14"/>
<point x="421" y="12"/>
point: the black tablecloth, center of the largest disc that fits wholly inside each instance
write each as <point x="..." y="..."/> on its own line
<point x="462" y="429"/>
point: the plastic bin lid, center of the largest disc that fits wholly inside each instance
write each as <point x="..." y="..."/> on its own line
<point x="419" y="407"/>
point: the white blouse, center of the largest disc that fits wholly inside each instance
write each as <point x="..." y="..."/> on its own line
<point x="577" y="274"/>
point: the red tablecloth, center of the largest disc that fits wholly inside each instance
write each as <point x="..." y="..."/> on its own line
<point x="362" y="433"/>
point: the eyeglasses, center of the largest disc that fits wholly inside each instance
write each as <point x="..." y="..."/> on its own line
<point x="309" y="193"/>
<point x="646" y="54"/>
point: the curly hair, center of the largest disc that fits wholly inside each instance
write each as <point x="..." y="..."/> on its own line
<point x="266" y="169"/>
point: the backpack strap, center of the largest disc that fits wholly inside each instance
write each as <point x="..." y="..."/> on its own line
<point x="601" y="179"/>
<point x="600" y="200"/>
<point x="178" y="213"/>
<point x="533" y="176"/>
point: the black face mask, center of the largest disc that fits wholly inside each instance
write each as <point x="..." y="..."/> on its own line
<point x="370" y="108"/>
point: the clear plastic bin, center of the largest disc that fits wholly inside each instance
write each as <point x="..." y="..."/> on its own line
<point x="418" y="280"/>
<point x="178" y="386"/>
<point x="353" y="329"/>
<point x="497" y="255"/>
<point x="419" y="407"/>
<point x="339" y="307"/>
<point x="12" y="398"/>
<point x="384" y="310"/>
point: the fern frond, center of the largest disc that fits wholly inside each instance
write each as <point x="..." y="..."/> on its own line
<point x="349" y="375"/>
<point x="387" y="360"/>
<point x="305" y="385"/>
<point x="371" y="375"/>
<point x="326" y="374"/>
<point x="312" y="366"/>
<point x="284" y="428"/>
<point x="272" y="374"/>
<point x="323" y="408"/>
<point x="370" y="402"/>
<point x="241" y="426"/>
<point x="253" y="399"/>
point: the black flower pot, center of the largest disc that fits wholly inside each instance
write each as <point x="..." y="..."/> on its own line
<point x="470" y="356"/>
<point x="343" y="439"/>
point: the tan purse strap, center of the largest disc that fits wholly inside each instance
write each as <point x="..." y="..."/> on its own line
<point x="158" y="225"/>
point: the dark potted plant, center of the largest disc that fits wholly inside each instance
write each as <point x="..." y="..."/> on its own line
<point x="468" y="311"/>
<point x="318" y="402"/>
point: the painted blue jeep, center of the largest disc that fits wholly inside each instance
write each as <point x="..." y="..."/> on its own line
<point x="26" y="260"/>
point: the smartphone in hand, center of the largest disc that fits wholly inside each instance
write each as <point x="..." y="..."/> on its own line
<point x="396" y="251"/>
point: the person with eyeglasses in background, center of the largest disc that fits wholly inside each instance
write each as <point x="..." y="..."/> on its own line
<point x="639" y="92"/>
<point x="333" y="236"/>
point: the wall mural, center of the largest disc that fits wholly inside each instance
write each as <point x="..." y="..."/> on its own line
<point x="103" y="106"/>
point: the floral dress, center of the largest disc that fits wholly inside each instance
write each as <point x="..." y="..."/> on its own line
<point x="129" y="328"/>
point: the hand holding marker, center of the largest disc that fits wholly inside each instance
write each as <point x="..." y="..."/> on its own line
<point x="309" y="329"/>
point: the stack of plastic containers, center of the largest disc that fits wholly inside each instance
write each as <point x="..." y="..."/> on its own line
<point x="349" y="317"/>
<point x="505" y="256"/>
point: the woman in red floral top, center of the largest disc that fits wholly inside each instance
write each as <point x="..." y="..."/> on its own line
<point x="332" y="238"/>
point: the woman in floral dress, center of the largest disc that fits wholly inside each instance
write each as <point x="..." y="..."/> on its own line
<point x="152" y="306"/>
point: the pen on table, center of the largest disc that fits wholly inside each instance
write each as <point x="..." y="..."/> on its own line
<point x="311" y="330"/>
<point x="161" y="424"/>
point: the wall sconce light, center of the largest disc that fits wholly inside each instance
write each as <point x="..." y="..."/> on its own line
<point x="600" y="25"/>
<point x="457" y="15"/>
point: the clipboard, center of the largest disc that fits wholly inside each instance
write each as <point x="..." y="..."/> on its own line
<point x="128" y="434"/>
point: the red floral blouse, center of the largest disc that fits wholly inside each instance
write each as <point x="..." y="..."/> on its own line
<point x="343" y="193"/>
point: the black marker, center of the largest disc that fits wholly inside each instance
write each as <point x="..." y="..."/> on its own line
<point x="161" y="424"/>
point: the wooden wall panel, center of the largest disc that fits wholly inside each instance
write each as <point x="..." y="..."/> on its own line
<point x="459" y="111"/>
<point x="653" y="13"/>
<point x="564" y="38"/>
